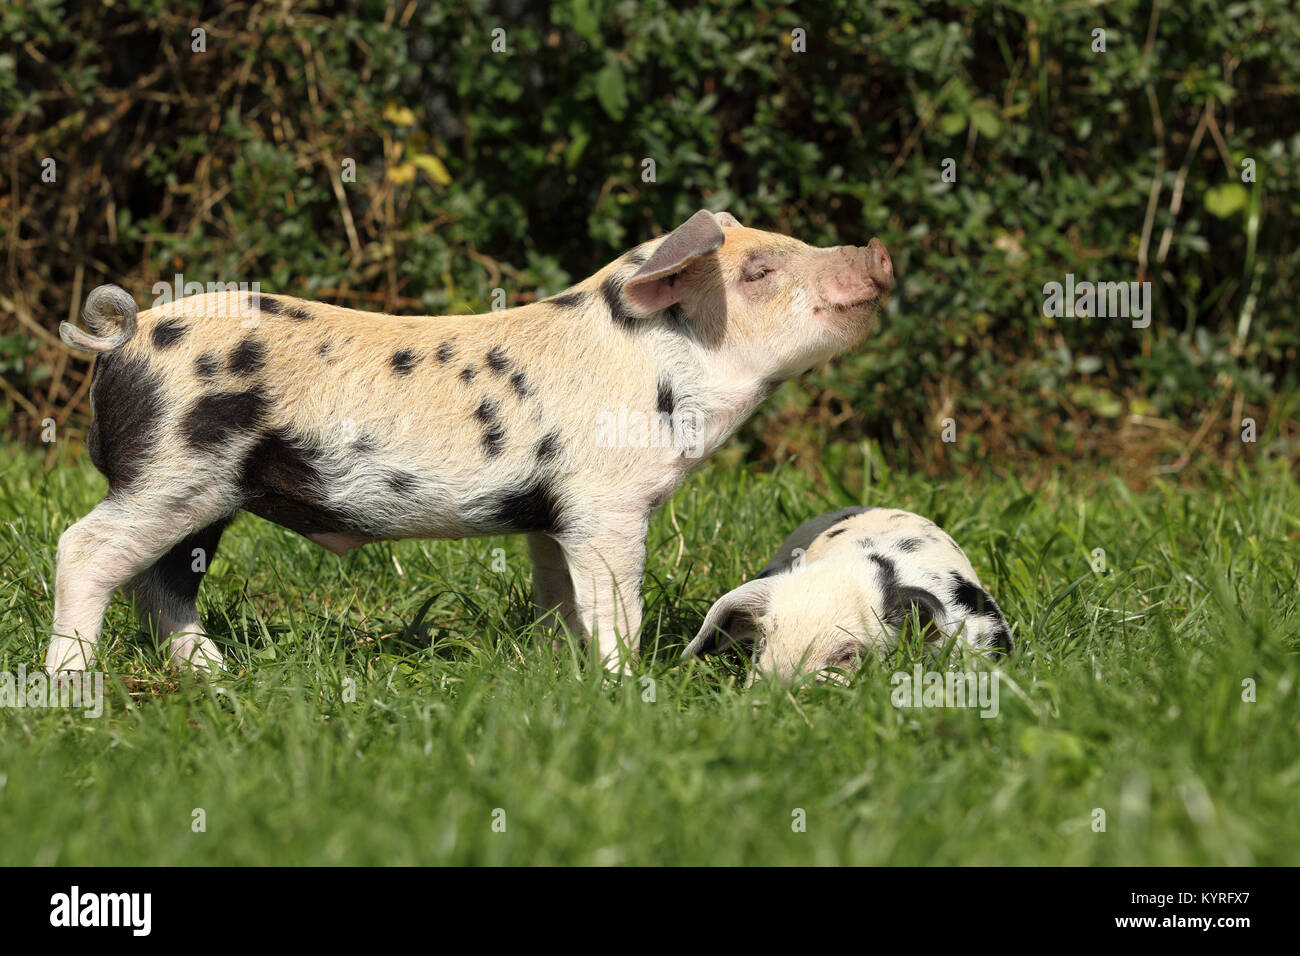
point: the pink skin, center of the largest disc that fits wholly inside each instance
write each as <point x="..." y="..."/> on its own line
<point x="855" y="274"/>
<point x="338" y="542"/>
<point x="844" y="281"/>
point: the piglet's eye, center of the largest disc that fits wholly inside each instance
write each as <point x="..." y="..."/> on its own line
<point x="758" y="273"/>
<point x="848" y="658"/>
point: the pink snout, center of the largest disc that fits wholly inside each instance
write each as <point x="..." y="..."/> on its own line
<point x="857" y="275"/>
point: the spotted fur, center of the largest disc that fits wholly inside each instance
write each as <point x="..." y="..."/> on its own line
<point x="849" y="582"/>
<point x="350" y="427"/>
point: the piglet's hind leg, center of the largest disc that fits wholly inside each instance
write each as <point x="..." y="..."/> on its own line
<point x="165" y="599"/>
<point x="121" y="537"/>
<point x="552" y="585"/>
<point x="96" y="555"/>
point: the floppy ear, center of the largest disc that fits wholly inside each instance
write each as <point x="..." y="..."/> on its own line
<point x="929" y="612"/>
<point x="653" y="287"/>
<point x="734" y="616"/>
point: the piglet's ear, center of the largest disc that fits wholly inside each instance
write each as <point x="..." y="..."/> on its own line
<point x="653" y="286"/>
<point x="734" y="615"/>
<point x="920" y="605"/>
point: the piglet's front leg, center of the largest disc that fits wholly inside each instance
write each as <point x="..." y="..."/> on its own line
<point x="606" y="568"/>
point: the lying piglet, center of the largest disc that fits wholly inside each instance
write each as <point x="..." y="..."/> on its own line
<point x="350" y="427"/>
<point x="848" y="582"/>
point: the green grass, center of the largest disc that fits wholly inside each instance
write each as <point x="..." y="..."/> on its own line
<point x="1125" y="694"/>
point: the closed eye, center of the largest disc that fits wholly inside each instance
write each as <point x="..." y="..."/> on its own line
<point x="848" y="658"/>
<point x="843" y="665"/>
<point x="757" y="274"/>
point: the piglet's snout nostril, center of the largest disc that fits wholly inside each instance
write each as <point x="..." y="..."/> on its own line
<point x="879" y="266"/>
<point x="855" y="275"/>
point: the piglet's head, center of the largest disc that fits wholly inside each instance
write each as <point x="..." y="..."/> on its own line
<point x="821" y="619"/>
<point x="774" y="303"/>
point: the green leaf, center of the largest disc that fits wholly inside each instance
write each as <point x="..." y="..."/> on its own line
<point x="573" y="152"/>
<point x="585" y="21"/>
<point x="611" y="89"/>
<point x="986" y="118"/>
<point x="1226" y="199"/>
<point x="952" y="123"/>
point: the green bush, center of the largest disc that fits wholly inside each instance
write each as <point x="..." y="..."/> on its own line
<point x="523" y="169"/>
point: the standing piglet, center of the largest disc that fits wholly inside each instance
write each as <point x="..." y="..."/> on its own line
<point x="846" y="583"/>
<point x="350" y="427"/>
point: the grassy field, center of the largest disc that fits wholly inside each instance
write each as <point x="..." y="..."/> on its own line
<point x="1125" y="694"/>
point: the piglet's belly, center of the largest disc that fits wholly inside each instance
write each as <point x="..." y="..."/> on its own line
<point x="340" y="530"/>
<point x="340" y="542"/>
<point x="327" y="527"/>
<point x="341" y="497"/>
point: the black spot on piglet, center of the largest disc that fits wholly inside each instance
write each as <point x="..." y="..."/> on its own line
<point x="403" y="361"/>
<point x="264" y="303"/>
<point x="888" y="572"/>
<point x="548" y="447"/>
<point x="567" y="300"/>
<point x="1001" y="639"/>
<point x="215" y="419"/>
<point x="972" y="599"/>
<point x="127" y="397"/>
<point x="167" y="333"/>
<point x="283" y="476"/>
<point x="612" y="291"/>
<point x="206" y="365"/>
<point x="665" y="400"/>
<point x="401" y="482"/>
<point x="174" y="572"/>
<point x="247" y="357"/>
<point x="494" y="435"/>
<point x="533" y="506"/>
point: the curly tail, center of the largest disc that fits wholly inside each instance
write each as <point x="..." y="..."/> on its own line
<point x="109" y="308"/>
